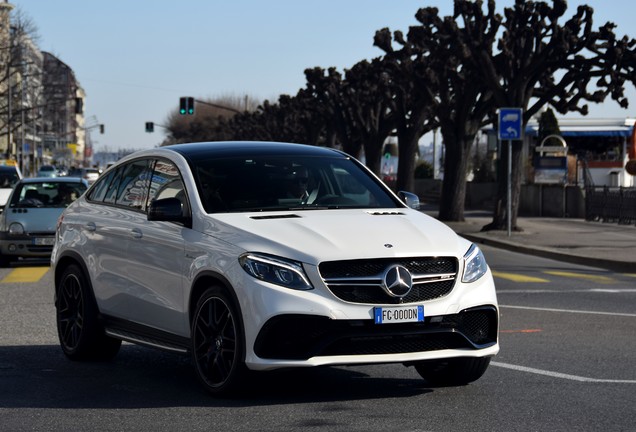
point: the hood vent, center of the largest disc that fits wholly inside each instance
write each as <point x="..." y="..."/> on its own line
<point x="386" y="213"/>
<point x="283" y="216"/>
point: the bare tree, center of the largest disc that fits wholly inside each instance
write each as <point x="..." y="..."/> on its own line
<point x="436" y="64"/>
<point x="15" y="65"/>
<point x="541" y="60"/>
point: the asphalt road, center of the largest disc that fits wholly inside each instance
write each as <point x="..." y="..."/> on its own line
<point x="566" y="363"/>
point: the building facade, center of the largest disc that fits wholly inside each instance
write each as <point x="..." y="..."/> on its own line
<point x="63" y="132"/>
<point x="41" y="102"/>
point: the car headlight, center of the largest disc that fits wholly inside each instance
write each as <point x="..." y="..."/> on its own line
<point x="279" y="271"/>
<point x="474" y="265"/>
<point x="16" y="229"/>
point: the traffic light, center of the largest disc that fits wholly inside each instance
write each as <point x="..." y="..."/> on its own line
<point x="186" y="105"/>
<point x="101" y="128"/>
<point x="190" y="104"/>
<point x="150" y="127"/>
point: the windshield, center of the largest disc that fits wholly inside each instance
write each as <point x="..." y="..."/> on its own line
<point x="8" y="178"/>
<point x="285" y="183"/>
<point x="46" y="194"/>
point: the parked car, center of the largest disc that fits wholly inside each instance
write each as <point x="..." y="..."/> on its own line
<point x="253" y="256"/>
<point x="9" y="176"/>
<point x="88" y="174"/>
<point x="27" y="225"/>
<point x="47" y="171"/>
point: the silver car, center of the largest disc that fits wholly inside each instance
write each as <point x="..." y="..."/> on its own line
<point x="88" y="174"/>
<point x="27" y="226"/>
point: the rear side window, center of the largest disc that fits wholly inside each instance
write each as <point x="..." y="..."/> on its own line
<point x="126" y="186"/>
<point x="99" y="191"/>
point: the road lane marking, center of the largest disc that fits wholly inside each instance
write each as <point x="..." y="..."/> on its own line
<point x="521" y="331"/>
<point x="570" y="311"/>
<point x="566" y="291"/>
<point x="518" y="277"/>
<point x="593" y="278"/>
<point x="613" y="290"/>
<point x="25" y="275"/>
<point x="560" y="375"/>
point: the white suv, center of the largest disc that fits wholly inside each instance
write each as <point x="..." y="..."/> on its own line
<point x="253" y="256"/>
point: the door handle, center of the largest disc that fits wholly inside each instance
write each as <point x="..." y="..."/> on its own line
<point x="90" y="226"/>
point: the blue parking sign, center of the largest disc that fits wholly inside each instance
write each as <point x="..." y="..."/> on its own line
<point x="510" y="123"/>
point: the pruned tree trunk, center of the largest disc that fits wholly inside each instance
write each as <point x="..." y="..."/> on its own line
<point x="407" y="144"/>
<point x="454" y="184"/>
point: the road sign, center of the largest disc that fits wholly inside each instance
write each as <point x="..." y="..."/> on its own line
<point x="510" y="124"/>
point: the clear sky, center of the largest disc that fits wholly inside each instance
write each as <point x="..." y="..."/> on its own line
<point x="135" y="58"/>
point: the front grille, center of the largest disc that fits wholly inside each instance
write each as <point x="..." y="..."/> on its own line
<point x="360" y="281"/>
<point x="299" y="337"/>
<point x="40" y="249"/>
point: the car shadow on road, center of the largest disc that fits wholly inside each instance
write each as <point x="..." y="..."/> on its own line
<point x="42" y="377"/>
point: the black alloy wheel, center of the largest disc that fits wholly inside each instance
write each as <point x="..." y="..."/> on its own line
<point x="217" y="343"/>
<point x="80" y="333"/>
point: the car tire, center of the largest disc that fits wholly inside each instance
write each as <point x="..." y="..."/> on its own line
<point x="218" y="345"/>
<point x="81" y="335"/>
<point x="452" y="371"/>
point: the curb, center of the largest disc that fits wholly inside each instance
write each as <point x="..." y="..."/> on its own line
<point x="613" y="265"/>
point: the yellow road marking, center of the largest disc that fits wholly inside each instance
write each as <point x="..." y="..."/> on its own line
<point x="594" y="278"/>
<point x="518" y="277"/>
<point x="521" y="331"/>
<point x="25" y="274"/>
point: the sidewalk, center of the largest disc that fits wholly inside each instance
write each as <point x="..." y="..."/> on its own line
<point x="605" y="245"/>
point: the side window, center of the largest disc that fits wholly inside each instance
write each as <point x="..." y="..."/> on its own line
<point x="166" y="183"/>
<point x="113" y="186"/>
<point x="134" y="184"/>
<point x="99" y="191"/>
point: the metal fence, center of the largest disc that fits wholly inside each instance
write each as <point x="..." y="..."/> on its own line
<point x="610" y="204"/>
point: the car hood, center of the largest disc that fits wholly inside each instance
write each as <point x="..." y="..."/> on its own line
<point x="34" y="220"/>
<point x="314" y="236"/>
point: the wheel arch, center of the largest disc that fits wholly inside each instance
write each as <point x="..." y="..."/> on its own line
<point x="202" y="282"/>
<point x="64" y="262"/>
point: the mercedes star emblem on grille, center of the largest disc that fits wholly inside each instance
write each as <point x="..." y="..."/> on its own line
<point x="397" y="281"/>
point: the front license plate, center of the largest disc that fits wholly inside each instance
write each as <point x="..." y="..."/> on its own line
<point x="44" y="241"/>
<point x="399" y="314"/>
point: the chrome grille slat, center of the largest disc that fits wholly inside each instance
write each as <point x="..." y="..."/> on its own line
<point x="360" y="281"/>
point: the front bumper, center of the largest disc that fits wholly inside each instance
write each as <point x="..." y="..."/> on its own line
<point x="28" y="246"/>
<point x="301" y="337"/>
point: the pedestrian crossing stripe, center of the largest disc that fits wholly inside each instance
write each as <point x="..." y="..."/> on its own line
<point x="25" y="275"/>
<point x="518" y="277"/>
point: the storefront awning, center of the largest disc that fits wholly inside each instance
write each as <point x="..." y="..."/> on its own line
<point x="601" y="131"/>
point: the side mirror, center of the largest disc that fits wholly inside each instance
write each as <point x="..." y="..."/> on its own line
<point x="167" y="210"/>
<point x="410" y="199"/>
